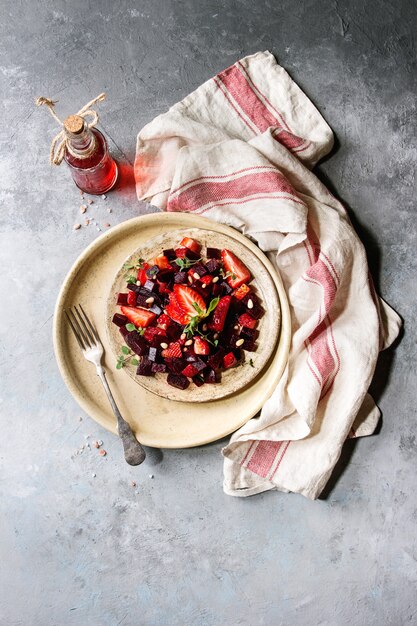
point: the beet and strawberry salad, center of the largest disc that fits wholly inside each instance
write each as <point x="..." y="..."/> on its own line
<point x="188" y="315"/>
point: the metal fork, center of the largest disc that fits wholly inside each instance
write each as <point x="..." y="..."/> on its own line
<point x="92" y="349"/>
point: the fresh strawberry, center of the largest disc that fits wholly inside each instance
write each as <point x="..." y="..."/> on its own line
<point x="229" y="360"/>
<point x="201" y="346"/>
<point x="175" y="312"/>
<point x="189" y="300"/>
<point x="207" y="279"/>
<point x="152" y="332"/>
<point x="162" y="262"/>
<point x="173" y="351"/>
<point x="190" y="371"/>
<point x="138" y="317"/>
<point x="239" y="272"/>
<point x="191" y="244"/>
<point x="241" y="291"/>
<point x="246" y="320"/>
<point x="180" y="253"/>
<point x="131" y="298"/>
<point x="219" y="314"/>
<point x="142" y="273"/>
<point x="164" y="321"/>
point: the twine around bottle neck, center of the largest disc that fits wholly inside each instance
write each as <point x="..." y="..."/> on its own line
<point x="61" y="141"/>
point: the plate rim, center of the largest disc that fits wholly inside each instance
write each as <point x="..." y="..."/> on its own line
<point x="283" y="344"/>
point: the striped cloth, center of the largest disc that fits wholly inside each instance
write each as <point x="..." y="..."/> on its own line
<point x="240" y="150"/>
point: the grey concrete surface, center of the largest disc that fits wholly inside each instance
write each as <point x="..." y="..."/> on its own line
<point x="78" y="550"/>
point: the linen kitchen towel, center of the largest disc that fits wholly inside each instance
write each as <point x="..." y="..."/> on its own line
<point x="240" y="150"/>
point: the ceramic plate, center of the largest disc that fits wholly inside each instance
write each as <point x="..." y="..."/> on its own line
<point x="234" y="379"/>
<point x="156" y="421"/>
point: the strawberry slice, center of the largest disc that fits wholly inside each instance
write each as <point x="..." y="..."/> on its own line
<point x="175" y="312"/>
<point x="190" y="371"/>
<point x="201" y="346"/>
<point x="142" y="273"/>
<point x="189" y="300"/>
<point x="229" y="360"/>
<point x="162" y="262"/>
<point x="138" y="317"/>
<point x="239" y="272"/>
<point x="180" y="253"/>
<point x="241" y="291"/>
<point x="152" y="332"/>
<point x="246" y="320"/>
<point x="207" y="279"/>
<point x="173" y="351"/>
<point x="219" y="314"/>
<point x="164" y="321"/>
<point x="191" y="244"/>
<point x="131" y="298"/>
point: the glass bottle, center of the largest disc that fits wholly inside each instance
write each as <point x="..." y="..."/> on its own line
<point x="87" y="155"/>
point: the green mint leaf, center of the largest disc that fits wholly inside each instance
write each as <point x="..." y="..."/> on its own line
<point x="119" y="365"/>
<point x="130" y="326"/>
<point x="125" y="350"/>
<point x="131" y="280"/>
<point x="140" y="330"/>
<point x="216" y="342"/>
<point x="212" y="306"/>
<point x="134" y="361"/>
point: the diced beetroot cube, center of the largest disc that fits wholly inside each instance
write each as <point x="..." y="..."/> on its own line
<point x="131" y="298"/>
<point x="249" y="333"/>
<point x="249" y="345"/>
<point x="153" y="354"/>
<point x="123" y="330"/>
<point x="133" y="287"/>
<point x="119" y="319"/>
<point x="211" y="377"/>
<point x="136" y="343"/>
<point x="232" y="340"/>
<point x="226" y="288"/>
<point x="247" y="321"/>
<point x="169" y="253"/>
<point x="174" y="331"/>
<point x="181" y="278"/>
<point x="199" y="269"/>
<point x="229" y="360"/>
<point x="193" y="256"/>
<point x="190" y="370"/>
<point x="159" y="368"/>
<point x="156" y="309"/>
<point x="144" y="367"/>
<point x="164" y="276"/>
<point x="178" y="380"/>
<point x="191" y="357"/>
<point x="216" y="360"/>
<point x="156" y="341"/>
<point x="150" y="285"/>
<point x="216" y="290"/>
<point x="122" y="299"/>
<point x="213" y="266"/>
<point x="198" y="380"/>
<point x="257" y="311"/>
<point x="141" y="301"/>
<point x="176" y="365"/>
<point x="152" y="271"/>
<point x="213" y="253"/>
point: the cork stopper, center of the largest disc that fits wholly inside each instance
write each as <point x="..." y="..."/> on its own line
<point x="74" y="124"/>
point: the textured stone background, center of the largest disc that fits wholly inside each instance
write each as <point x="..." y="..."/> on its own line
<point x="79" y="551"/>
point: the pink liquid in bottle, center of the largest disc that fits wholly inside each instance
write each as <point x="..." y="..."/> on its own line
<point x="87" y="155"/>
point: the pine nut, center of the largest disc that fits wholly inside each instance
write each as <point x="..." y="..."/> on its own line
<point x="239" y="342"/>
<point x="139" y="284"/>
<point x="216" y="336"/>
<point x="196" y="276"/>
<point x="164" y="346"/>
<point x="189" y="342"/>
<point x="77" y="226"/>
<point x="150" y="300"/>
<point x="203" y="285"/>
<point x="236" y="327"/>
<point x="205" y="327"/>
<point x="250" y="304"/>
<point x="183" y="336"/>
<point x="215" y="279"/>
<point x="190" y="279"/>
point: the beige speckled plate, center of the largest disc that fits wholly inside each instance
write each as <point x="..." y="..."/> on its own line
<point x="234" y="379"/>
<point x="156" y="421"/>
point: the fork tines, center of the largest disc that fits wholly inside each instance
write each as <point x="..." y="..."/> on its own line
<point x="85" y="333"/>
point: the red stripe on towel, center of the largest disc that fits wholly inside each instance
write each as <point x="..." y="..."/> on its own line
<point x="263" y="458"/>
<point x="203" y="193"/>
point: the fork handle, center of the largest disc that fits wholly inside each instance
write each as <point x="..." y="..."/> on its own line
<point x="134" y="452"/>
